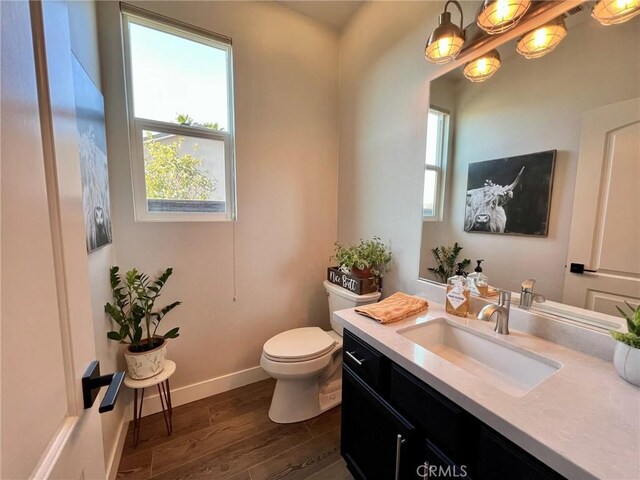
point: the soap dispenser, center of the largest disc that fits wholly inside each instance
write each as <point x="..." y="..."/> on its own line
<point x="457" y="301"/>
<point x="478" y="282"/>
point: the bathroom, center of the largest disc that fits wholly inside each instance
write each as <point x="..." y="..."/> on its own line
<point x="326" y="124"/>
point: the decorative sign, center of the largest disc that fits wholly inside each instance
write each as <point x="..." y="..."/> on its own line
<point x="357" y="285"/>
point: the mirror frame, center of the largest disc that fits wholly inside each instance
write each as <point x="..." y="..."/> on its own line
<point x="585" y="318"/>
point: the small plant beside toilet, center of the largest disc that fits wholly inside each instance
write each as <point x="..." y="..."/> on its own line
<point x="134" y="298"/>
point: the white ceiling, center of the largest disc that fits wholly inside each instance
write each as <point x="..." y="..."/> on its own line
<point x="330" y="12"/>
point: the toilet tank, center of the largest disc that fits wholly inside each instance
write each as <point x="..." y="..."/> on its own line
<point x="341" y="298"/>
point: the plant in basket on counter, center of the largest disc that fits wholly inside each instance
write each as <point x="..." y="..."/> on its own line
<point x="133" y="311"/>
<point x="367" y="259"/>
<point x="626" y="357"/>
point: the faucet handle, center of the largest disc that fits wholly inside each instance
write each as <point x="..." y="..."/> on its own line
<point x="527" y="285"/>
<point x="504" y="298"/>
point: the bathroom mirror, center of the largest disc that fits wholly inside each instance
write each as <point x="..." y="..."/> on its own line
<point x="543" y="161"/>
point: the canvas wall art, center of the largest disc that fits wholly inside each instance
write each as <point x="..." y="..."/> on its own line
<point x="92" y="147"/>
<point x="510" y="195"/>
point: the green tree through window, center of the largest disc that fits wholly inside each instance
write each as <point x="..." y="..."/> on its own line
<point x="170" y="174"/>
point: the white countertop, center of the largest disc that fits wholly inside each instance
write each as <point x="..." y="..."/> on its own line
<point x="583" y="421"/>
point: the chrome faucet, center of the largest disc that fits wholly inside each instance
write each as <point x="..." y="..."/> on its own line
<point x="502" y="309"/>
<point x="527" y="297"/>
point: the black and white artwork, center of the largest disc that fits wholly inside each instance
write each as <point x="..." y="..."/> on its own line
<point x="92" y="147"/>
<point x="510" y="195"/>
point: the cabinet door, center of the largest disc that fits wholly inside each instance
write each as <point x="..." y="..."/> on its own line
<point x="500" y="459"/>
<point x="377" y="443"/>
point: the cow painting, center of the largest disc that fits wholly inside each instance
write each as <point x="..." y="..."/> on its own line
<point x="485" y="206"/>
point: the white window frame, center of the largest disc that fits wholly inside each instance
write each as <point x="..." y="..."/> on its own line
<point x="138" y="124"/>
<point x="442" y="154"/>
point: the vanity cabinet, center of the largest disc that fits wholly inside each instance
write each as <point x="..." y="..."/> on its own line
<point x="396" y="427"/>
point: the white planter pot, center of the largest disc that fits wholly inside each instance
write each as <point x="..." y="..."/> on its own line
<point x="146" y="364"/>
<point x="626" y="359"/>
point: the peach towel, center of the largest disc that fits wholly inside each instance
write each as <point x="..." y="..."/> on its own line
<point x="394" y="308"/>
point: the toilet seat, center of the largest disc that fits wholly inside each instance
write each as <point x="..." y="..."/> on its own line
<point x="299" y="345"/>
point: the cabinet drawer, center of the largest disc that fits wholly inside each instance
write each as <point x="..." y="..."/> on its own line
<point x="365" y="361"/>
<point x="499" y="458"/>
<point x="443" y="421"/>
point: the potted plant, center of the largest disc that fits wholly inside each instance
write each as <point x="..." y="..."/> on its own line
<point x="446" y="261"/>
<point x="133" y="311"/>
<point x="367" y="259"/>
<point x="626" y="357"/>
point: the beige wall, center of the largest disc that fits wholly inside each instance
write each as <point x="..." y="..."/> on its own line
<point x="286" y="149"/>
<point x="383" y="111"/>
<point x="84" y="44"/>
<point x="532" y="106"/>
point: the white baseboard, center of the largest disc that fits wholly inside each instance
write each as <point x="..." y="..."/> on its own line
<point x="116" y="454"/>
<point x="200" y="390"/>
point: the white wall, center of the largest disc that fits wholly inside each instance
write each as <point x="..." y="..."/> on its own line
<point x="285" y="83"/>
<point x="84" y="44"/>
<point x="531" y="106"/>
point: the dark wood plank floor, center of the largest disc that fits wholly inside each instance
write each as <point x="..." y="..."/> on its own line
<point x="230" y="436"/>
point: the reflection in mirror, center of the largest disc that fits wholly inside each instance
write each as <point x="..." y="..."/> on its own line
<point x="570" y="120"/>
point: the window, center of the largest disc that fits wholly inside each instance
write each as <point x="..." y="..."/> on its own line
<point x="435" y="164"/>
<point x="180" y="102"/>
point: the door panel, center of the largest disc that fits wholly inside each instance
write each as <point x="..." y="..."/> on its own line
<point x="33" y="375"/>
<point x="605" y="228"/>
<point x="47" y="331"/>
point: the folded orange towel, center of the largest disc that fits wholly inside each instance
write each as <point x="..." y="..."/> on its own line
<point x="394" y="308"/>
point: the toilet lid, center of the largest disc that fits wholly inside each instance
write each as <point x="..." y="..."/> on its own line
<point x="299" y="344"/>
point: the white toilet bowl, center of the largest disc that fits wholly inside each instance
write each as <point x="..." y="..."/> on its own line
<point x="307" y="363"/>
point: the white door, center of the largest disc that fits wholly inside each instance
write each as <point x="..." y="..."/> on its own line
<point x="47" y="337"/>
<point x="605" y="228"/>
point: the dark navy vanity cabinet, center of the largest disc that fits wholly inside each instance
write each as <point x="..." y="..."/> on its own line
<point x="396" y="427"/>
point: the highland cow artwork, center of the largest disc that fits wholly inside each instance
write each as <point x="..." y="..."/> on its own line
<point x="92" y="147"/>
<point x="510" y="195"/>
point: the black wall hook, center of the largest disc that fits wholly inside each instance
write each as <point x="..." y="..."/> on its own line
<point x="92" y="381"/>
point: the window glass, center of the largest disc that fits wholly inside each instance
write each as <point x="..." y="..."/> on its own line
<point x="175" y="78"/>
<point x="183" y="173"/>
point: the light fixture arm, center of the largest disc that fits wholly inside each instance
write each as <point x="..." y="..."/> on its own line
<point x="446" y="5"/>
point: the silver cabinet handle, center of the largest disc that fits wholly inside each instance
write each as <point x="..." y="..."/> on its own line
<point x="399" y="442"/>
<point x="352" y="356"/>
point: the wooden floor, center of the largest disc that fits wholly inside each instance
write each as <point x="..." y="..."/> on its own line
<point x="230" y="436"/>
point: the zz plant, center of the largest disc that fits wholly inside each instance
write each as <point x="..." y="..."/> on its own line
<point x="446" y="261"/>
<point x="631" y="338"/>
<point x="134" y="298"/>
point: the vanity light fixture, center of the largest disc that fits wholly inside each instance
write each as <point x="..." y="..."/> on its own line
<point x="542" y="40"/>
<point x="447" y="39"/>
<point x="612" y="12"/>
<point x="498" y="16"/>
<point x="482" y="68"/>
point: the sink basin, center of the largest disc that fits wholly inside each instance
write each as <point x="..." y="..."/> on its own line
<point x="500" y="364"/>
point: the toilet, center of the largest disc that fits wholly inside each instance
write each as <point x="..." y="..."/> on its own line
<point x="307" y="363"/>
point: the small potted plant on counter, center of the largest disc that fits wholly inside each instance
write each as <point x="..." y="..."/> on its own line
<point x="367" y="259"/>
<point x="626" y="357"/>
<point x="133" y="311"/>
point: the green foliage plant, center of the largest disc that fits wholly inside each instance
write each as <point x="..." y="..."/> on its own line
<point x="371" y="254"/>
<point x="134" y="298"/>
<point x="172" y="174"/>
<point x="632" y="337"/>
<point x="446" y="260"/>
